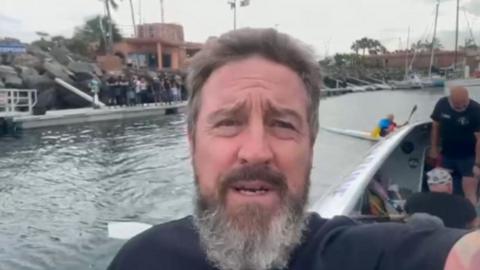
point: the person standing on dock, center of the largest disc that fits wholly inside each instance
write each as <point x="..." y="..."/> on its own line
<point x="456" y="129"/>
<point x="123" y="90"/>
<point x="111" y="84"/>
<point x="94" y="86"/>
<point x="131" y="100"/>
<point x="252" y="122"/>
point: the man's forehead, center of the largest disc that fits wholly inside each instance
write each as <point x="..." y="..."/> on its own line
<point x="239" y="79"/>
<point x="244" y="106"/>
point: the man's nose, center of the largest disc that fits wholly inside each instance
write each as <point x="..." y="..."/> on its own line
<point x="255" y="146"/>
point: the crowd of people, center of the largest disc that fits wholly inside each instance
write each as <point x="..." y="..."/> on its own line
<point x="133" y="90"/>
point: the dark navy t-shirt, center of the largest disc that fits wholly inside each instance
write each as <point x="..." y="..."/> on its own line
<point x="454" y="210"/>
<point x="457" y="128"/>
<point x="339" y="243"/>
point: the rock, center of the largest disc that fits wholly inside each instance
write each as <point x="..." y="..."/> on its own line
<point x="39" y="82"/>
<point x="7" y="70"/>
<point x="61" y="54"/>
<point x="28" y="61"/>
<point x="46" y="100"/>
<point x="67" y="99"/>
<point x="56" y="70"/>
<point x="13" y="81"/>
<point x="79" y="66"/>
<point x="26" y="71"/>
<point x="38" y="52"/>
<point x="9" y="77"/>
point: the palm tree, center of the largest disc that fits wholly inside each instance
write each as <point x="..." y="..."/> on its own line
<point x="92" y="33"/>
<point x="113" y="4"/>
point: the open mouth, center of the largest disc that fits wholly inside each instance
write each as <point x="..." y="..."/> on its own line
<point x="252" y="188"/>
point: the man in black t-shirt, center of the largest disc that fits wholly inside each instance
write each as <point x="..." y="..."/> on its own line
<point x="455" y="211"/>
<point x="456" y="128"/>
<point x="252" y="122"/>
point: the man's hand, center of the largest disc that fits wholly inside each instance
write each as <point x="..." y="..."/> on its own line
<point x="476" y="171"/>
<point x="465" y="254"/>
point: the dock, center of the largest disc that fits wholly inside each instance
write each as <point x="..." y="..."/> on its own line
<point x="328" y="92"/>
<point x="16" y="112"/>
<point x="90" y="115"/>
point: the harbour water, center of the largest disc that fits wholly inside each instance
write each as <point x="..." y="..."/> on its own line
<point x="59" y="187"/>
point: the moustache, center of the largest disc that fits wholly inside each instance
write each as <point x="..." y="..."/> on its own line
<point x="254" y="172"/>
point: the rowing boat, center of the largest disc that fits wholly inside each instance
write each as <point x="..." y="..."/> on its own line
<point x="395" y="161"/>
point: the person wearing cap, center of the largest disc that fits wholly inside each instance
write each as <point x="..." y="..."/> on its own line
<point x="455" y="211"/>
<point x="456" y="129"/>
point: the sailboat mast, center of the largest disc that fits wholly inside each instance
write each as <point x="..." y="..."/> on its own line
<point x="456" y="37"/>
<point x="162" y="11"/>
<point x="133" y="19"/>
<point x="406" y="53"/>
<point x="433" y="40"/>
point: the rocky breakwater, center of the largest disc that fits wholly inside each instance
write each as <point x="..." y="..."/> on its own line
<point x="37" y="69"/>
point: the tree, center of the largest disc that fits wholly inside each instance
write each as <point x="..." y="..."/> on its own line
<point x="59" y="40"/>
<point x="376" y="47"/>
<point x="345" y="59"/>
<point x="372" y="46"/>
<point x="92" y="32"/>
<point x="470" y="44"/>
<point x="426" y="45"/>
<point x="43" y="43"/>
<point x="110" y="38"/>
<point x="42" y="35"/>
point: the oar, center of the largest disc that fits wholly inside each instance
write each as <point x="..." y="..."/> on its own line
<point x="414" y="109"/>
<point x="126" y="230"/>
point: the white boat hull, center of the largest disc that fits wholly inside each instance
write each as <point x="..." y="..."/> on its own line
<point x="388" y="161"/>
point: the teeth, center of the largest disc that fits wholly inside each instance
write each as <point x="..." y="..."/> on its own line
<point x="252" y="192"/>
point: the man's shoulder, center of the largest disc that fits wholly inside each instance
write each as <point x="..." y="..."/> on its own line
<point x="167" y="234"/>
<point x="441" y="107"/>
<point x="174" y="245"/>
<point x="474" y="105"/>
<point x="443" y="101"/>
<point x="400" y="246"/>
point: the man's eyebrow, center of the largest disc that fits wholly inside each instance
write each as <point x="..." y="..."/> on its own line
<point x="236" y="109"/>
<point x="274" y="110"/>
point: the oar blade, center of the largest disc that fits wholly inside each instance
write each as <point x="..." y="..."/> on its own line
<point x="126" y="230"/>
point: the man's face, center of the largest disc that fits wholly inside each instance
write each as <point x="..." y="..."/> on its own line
<point x="459" y="100"/>
<point x="442" y="188"/>
<point x="252" y="145"/>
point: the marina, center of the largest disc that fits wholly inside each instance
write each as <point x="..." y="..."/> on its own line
<point x="63" y="185"/>
<point x="97" y="142"/>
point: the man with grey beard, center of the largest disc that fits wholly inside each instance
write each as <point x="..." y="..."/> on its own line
<point x="252" y="123"/>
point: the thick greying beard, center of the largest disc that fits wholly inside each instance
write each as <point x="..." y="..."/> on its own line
<point x="250" y="237"/>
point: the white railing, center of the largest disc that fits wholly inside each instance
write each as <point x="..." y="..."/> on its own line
<point x="17" y="101"/>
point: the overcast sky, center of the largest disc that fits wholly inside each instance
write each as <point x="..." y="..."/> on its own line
<point x="330" y="26"/>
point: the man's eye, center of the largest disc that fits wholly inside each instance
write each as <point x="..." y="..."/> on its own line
<point x="283" y="124"/>
<point x="228" y="123"/>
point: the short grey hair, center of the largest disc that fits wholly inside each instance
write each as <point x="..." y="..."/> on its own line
<point x="243" y="43"/>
